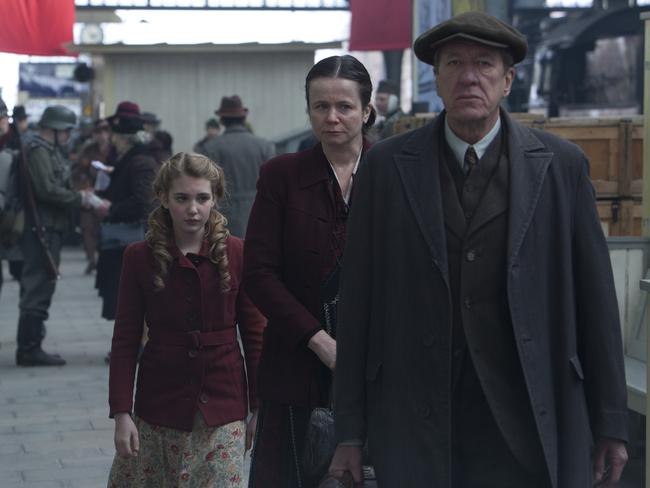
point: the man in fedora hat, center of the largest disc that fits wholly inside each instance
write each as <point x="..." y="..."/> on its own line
<point x="478" y="342"/>
<point x="240" y="154"/>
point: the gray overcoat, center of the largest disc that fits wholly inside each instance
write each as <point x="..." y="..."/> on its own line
<point x="394" y="335"/>
<point x="240" y="154"/>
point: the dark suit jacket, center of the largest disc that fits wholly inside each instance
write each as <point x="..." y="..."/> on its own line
<point x="287" y="250"/>
<point x="176" y="376"/>
<point x="394" y="336"/>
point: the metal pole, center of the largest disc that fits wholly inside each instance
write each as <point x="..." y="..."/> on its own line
<point x="646" y="210"/>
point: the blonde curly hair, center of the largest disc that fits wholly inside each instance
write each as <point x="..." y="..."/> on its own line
<point x="160" y="234"/>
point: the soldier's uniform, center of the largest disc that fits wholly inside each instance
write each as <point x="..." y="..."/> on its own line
<point x="54" y="198"/>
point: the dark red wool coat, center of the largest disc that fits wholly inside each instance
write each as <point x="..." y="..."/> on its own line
<point x="178" y="372"/>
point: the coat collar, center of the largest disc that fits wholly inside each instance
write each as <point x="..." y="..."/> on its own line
<point x="182" y="259"/>
<point x="236" y="128"/>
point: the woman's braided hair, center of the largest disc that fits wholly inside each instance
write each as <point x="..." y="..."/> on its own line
<point x="160" y="234"/>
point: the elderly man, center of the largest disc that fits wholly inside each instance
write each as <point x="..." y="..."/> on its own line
<point x="240" y="154"/>
<point x="478" y="340"/>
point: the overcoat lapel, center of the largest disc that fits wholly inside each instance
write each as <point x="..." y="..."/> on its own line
<point x="417" y="165"/>
<point x="529" y="162"/>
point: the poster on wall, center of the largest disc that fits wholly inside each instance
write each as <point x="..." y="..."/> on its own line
<point x="44" y="84"/>
<point x="54" y="80"/>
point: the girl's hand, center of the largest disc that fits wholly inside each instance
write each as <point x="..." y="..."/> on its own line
<point x="251" y="428"/>
<point x="127" y="442"/>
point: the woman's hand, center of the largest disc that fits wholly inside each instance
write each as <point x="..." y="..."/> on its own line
<point x="127" y="442"/>
<point x="324" y="347"/>
<point x="251" y="428"/>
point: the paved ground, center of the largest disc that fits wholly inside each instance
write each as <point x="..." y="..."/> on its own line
<point x="54" y="429"/>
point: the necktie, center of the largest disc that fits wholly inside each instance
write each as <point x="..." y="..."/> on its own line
<point x="471" y="160"/>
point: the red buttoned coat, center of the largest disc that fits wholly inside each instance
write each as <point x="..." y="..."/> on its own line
<point x="192" y="360"/>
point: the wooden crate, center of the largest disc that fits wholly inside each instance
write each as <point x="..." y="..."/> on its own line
<point x="620" y="217"/>
<point x="635" y="158"/>
<point x="602" y="140"/>
<point x="610" y="217"/>
<point x="632" y="218"/>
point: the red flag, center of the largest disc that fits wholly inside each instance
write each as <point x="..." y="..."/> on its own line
<point x="380" y="25"/>
<point x="38" y="27"/>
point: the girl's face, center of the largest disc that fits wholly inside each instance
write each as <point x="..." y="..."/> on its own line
<point x="189" y="202"/>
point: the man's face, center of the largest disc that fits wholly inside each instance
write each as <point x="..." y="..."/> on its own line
<point x="4" y="125"/>
<point x="471" y="80"/>
<point x="63" y="136"/>
<point x="381" y="102"/>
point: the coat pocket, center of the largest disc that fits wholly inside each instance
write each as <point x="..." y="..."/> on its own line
<point x="577" y="366"/>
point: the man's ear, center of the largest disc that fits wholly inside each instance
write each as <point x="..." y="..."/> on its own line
<point x="164" y="200"/>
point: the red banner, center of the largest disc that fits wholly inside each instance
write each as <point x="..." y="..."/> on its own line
<point x="380" y="25"/>
<point x="38" y="27"/>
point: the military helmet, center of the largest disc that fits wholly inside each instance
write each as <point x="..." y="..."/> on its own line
<point x="58" y="117"/>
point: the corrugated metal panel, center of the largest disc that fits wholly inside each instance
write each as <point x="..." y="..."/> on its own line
<point x="185" y="89"/>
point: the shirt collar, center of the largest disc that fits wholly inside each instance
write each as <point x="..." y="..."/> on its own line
<point x="346" y="197"/>
<point x="459" y="147"/>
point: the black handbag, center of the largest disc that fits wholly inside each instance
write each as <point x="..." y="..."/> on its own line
<point x="320" y="439"/>
<point x="117" y="235"/>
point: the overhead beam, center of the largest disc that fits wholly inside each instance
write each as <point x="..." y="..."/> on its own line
<point x="246" y="5"/>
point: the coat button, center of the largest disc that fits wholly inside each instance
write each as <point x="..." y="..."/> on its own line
<point x="193" y="353"/>
<point x="429" y="340"/>
<point x="203" y="398"/>
<point x="468" y="303"/>
<point x="468" y="215"/>
<point x="471" y="255"/>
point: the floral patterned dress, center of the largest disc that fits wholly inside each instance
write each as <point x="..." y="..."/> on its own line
<point x="207" y="457"/>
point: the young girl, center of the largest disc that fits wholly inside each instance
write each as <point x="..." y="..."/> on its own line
<point x="188" y="426"/>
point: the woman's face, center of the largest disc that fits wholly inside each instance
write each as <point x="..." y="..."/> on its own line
<point x="336" y="112"/>
<point x="189" y="202"/>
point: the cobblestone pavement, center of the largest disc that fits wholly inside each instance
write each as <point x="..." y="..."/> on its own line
<point x="54" y="425"/>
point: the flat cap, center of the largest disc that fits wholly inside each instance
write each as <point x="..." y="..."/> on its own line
<point x="473" y="26"/>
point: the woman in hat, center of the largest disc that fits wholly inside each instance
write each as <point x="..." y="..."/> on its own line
<point x="292" y="258"/>
<point x="129" y="196"/>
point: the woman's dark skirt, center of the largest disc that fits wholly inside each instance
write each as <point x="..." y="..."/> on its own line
<point x="277" y="453"/>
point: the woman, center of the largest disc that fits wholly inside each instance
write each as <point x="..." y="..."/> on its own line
<point x="294" y="243"/>
<point x="129" y="196"/>
<point x="191" y="396"/>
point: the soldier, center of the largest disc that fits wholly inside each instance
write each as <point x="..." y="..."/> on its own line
<point x="48" y="216"/>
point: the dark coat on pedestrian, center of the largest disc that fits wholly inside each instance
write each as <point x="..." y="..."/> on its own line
<point x="288" y="251"/>
<point x="178" y="374"/>
<point x="240" y="154"/>
<point x="393" y="367"/>
<point x="131" y="195"/>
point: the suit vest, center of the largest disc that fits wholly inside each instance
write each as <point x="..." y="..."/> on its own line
<point x="485" y="361"/>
